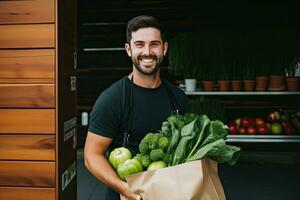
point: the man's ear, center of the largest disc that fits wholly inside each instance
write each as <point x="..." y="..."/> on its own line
<point x="165" y="48"/>
<point x="128" y="50"/>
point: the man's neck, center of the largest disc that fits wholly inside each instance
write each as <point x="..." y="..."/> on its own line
<point x="146" y="81"/>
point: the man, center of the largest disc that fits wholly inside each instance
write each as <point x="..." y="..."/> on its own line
<point x="133" y="106"/>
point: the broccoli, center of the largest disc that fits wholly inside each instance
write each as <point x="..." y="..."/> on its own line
<point x="163" y="143"/>
<point x="138" y="157"/>
<point x="152" y="140"/>
<point x="143" y="147"/>
<point x="168" y="158"/>
<point x="156" y="154"/>
<point x="146" y="160"/>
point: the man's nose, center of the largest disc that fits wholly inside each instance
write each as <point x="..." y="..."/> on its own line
<point x="147" y="50"/>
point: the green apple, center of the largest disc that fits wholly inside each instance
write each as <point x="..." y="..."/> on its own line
<point x="276" y="128"/>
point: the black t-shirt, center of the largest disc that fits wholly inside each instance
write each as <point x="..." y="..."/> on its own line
<point x="111" y="113"/>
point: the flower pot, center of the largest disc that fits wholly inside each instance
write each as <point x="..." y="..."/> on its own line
<point x="292" y="83"/>
<point x="236" y="85"/>
<point x="249" y="85"/>
<point x="276" y="83"/>
<point x="208" y="85"/>
<point x="223" y="85"/>
<point x="261" y="83"/>
<point x="190" y="84"/>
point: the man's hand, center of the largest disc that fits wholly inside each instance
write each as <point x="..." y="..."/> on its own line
<point x="130" y="195"/>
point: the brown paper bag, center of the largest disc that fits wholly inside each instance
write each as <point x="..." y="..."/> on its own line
<point x="197" y="180"/>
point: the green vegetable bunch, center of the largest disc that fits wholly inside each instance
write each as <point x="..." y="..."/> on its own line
<point x="181" y="139"/>
<point x="188" y="138"/>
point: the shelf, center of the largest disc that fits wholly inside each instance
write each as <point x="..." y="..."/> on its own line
<point x="263" y="138"/>
<point x="231" y="93"/>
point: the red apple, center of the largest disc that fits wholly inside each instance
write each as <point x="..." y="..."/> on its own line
<point x="233" y="129"/>
<point x="242" y="130"/>
<point x="251" y="130"/>
<point x="262" y="129"/>
<point x="259" y="122"/>
<point x="245" y="122"/>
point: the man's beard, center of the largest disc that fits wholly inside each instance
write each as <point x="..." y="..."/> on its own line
<point x="137" y="65"/>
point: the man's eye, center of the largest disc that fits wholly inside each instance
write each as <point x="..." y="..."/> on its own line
<point x="138" y="45"/>
<point x="155" y="44"/>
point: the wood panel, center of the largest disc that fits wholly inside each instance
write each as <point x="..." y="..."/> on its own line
<point x="27" y="95"/>
<point x="27" y="64"/>
<point x="40" y="121"/>
<point x="25" y="173"/>
<point x="23" y="193"/>
<point x="32" y="11"/>
<point x="27" y="36"/>
<point x="27" y="147"/>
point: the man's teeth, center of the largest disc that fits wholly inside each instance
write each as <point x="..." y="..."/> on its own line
<point x="147" y="60"/>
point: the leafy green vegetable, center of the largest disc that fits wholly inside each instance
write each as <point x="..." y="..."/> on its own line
<point x="174" y="140"/>
<point x="187" y="138"/>
<point x="202" y="123"/>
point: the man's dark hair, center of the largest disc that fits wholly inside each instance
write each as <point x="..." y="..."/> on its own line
<point x="142" y="21"/>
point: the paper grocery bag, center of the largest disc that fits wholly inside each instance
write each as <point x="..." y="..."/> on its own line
<point x="196" y="180"/>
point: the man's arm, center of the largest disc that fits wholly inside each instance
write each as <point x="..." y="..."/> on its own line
<point x="96" y="163"/>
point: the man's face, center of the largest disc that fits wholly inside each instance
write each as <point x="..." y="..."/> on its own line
<point x="146" y="50"/>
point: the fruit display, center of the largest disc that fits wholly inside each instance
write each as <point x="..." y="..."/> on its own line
<point x="276" y="123"/>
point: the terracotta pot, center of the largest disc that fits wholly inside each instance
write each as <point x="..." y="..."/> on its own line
<point x="249" y="85"/>
<point x="261" y="83"/>
<point x="223" y="85"/>
<point x="276" y="83"/>
<point x="208" y="85"/>
<point x="236" y="85"/>
<point x="292" y="83"/>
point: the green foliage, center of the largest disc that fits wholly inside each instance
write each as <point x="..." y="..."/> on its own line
<point x="291" y="67"/>
<point x="183" y="57"/>
<point x="213" y="108"/>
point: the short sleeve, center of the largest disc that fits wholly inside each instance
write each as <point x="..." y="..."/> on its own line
<point x="104" y="116"/>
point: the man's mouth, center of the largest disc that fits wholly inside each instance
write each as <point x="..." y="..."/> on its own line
<point x="148" y="59"/>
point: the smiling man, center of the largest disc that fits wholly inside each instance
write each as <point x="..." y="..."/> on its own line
<point x="133" y="106"/>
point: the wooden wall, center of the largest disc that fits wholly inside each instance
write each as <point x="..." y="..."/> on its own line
<point x="27" y="100"/>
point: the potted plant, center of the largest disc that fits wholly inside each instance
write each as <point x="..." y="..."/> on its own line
<point x="208" y="77"/>
<point x="183" y="59"/>
<point x="223" y="77"/>
<point x="249" y="77"/>
<point x="236" y="82"/>
<point x="290" y="71"/>
<point x="261" y="74"/>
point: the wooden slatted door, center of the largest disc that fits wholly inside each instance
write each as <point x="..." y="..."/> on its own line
<point x="33" y="84"/>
